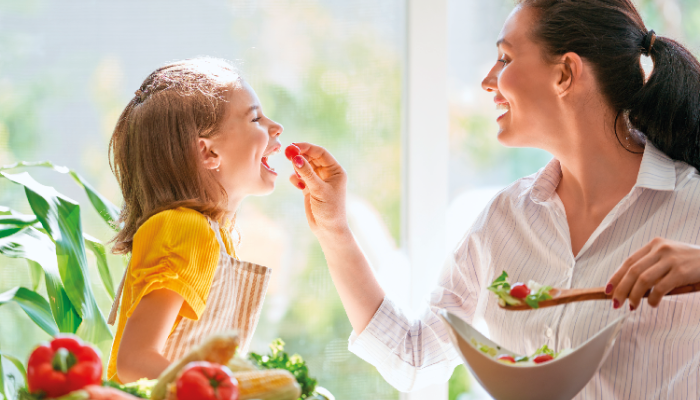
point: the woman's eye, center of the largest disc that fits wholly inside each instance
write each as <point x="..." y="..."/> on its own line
<point x="504" y="61"/>
<point x="257" y="119"/>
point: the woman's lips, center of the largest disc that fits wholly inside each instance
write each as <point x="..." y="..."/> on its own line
<point x="505" y="108"/>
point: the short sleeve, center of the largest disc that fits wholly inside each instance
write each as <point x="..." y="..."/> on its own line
<point x="176" y="250"/>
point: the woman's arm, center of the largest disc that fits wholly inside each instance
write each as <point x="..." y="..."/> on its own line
<point x="661" y="265"/>
<point x="323" y="182"/>
<point x="145" y="334"/>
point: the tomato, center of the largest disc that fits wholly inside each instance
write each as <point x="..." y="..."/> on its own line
<point x="202" y="380"/>
<point x="506" y="359"/>
<point x="291" y="151"/>
<point x="542" y="358"/>
<point x="519" y="290"/>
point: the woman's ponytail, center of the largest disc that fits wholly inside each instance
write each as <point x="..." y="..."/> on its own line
<point x="667" y="108"/>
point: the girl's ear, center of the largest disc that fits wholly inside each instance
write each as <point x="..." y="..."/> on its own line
<point x="210" y="159"/>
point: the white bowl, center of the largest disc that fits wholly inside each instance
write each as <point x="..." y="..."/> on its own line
<point x="561" y="378"/>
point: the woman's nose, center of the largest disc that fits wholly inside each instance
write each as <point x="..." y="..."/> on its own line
<point x="490" y="82"/>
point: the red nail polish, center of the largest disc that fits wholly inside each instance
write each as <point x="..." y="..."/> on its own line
<point x="616" y="304"/>
<point x="632" y="307"/>
<point x="298" y="161"/>
<point x="301" y="185"/>
<point x="609" y="288"/>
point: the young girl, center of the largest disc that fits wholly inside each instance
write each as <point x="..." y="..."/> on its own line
<point x="188" y="148"/>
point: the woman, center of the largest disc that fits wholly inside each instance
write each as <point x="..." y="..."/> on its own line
<point x="614" y="208"/>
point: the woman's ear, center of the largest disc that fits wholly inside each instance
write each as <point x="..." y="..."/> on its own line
<point x="209" y="158"/>
<point x="569" y="72"/>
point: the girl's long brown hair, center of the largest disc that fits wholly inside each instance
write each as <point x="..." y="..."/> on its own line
<point x="153" y="150"/>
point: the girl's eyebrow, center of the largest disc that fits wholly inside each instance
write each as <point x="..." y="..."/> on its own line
<point x="252" y="108"/>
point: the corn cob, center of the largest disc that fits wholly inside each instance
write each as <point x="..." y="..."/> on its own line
<point x="271" y="384"/>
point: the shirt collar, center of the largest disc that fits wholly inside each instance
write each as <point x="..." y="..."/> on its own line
<point x="657" y="172"/>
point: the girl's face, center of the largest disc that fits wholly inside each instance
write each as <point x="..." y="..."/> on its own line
<point x="524" y="84"/>
<point x="239" y="153"/>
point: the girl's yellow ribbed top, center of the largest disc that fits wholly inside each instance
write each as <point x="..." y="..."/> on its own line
<point x="176" y="250"/>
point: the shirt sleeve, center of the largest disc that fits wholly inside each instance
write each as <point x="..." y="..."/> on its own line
<point x="414" y="353"/>
<point x="175" y="250"/>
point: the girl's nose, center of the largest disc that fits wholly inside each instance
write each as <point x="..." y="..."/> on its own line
<point x="490" y="82"/>
<point x="276" y="129"/>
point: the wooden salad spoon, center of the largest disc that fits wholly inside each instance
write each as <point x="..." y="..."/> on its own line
<point x="563" y="296"/>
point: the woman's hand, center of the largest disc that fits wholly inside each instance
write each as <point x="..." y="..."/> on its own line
<point x="662" y="265"/>
<point x="323" y="182"/>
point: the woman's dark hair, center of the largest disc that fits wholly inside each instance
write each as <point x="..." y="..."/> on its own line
<point x="611" y="35"/>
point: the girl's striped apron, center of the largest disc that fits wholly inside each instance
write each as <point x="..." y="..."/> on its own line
<point x="234" y="303"/>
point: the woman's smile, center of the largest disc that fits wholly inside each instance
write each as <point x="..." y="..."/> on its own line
<point x="504" y="107"/>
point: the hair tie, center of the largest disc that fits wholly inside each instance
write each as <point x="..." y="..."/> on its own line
<point x="648" y="42"/>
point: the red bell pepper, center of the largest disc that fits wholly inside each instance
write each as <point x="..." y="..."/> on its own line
<point x="202" y="380"/>
<point x="62" y="366"/>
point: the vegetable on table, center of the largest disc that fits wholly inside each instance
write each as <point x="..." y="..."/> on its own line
<point x="202" y="380"/>
<point x="273" y="384"/>
<point x="294" y="364"/>
<point x="64" y="365"/>
<point x="218" y="348"/>
<point x="515" y="295"/>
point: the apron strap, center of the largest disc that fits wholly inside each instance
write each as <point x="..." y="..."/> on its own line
<point x="117" y="298"/>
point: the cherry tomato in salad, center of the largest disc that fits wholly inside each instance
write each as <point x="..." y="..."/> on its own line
<point x="505" y="358"/>
<point x="519" y="290"/>
<point x="543" y="358"/>
<point x="291" y="151"/>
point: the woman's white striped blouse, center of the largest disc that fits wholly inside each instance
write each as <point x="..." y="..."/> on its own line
<point x="524" y="231"/>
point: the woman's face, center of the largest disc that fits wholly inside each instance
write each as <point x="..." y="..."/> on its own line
<point x="524" y="85"/>
<point x="246" y="139"/>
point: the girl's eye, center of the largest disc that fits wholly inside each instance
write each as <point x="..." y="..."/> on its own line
<point x="504" y="61"/>
<point x="257" y="119"/>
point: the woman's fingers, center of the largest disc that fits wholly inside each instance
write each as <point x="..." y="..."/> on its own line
<point x="623" y="289"/>
<point x="317" y="155"/>
<point x="614" y="281"/>
<point x="307" y="173"/>
<point x="647" y="280"/>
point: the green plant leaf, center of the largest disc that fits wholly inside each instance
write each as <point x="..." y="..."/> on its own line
<point x="102" y="266"/>
<point x="15" y="222"/>
<point x="60" y="216"/>
<point x="16" y="362"/>
<point x="108" y="211"/>
<point x="10" y="382"/>
<point x="37" y="247"/>
<point x="36" y="272"/>
<point x="36" y="307"/>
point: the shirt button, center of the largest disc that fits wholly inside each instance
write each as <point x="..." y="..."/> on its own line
<point x="549" y="332"/>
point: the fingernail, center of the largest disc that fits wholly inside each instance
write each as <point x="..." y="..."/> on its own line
<point x="301" y="185"/>
<point x="616" y="304"/>
<point x="609" y="288"/>
<point x="298" y="161"/>
<point x="631" y="307"/>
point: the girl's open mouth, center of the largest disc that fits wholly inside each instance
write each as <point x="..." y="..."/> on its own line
<point x="265" y="157"/>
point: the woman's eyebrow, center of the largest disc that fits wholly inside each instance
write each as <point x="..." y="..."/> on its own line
<point x="503" y="42"/>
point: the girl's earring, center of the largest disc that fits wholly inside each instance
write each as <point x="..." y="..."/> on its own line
<point x="217" y="170"/>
